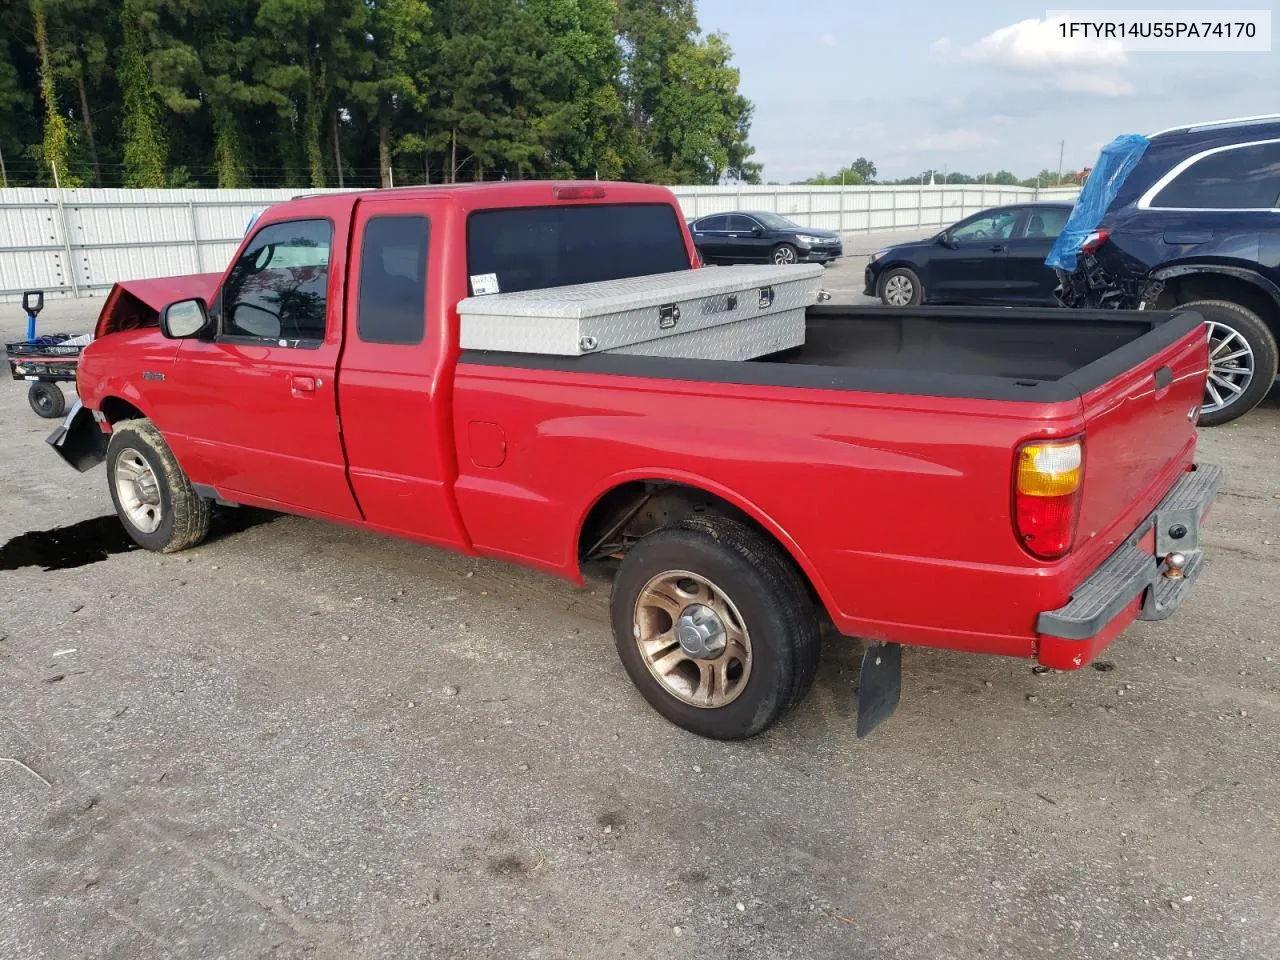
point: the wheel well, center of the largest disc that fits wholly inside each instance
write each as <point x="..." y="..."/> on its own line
<point x="630" y="511"/>
<point x="115" y="410"/>
<point x="1220" y="286"/>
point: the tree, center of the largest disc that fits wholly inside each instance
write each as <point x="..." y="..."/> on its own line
<point x="146" y="147"/>
<point x="226" y="93"/>
<point x="400" y="42"/>
<point x="864" y="168"/>
<point x="56" y="146"/>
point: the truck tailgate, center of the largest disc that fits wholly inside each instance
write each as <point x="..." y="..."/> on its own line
<point x="1139" y="436"/>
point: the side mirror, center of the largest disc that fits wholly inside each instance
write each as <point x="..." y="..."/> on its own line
<point x="184" y="319"/>
<point x="946" y="239"/>
<point x="757" y="231"/>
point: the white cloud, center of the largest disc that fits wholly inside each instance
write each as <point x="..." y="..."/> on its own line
<point x="829" y="40"/>
<point x="1037" y="47"/>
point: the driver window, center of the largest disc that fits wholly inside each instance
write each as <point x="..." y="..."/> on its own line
<point x="278" y="289"/>
<point x="988" y="226"/>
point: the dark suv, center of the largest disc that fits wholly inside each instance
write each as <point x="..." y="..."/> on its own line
<point x="1190" y="217"/>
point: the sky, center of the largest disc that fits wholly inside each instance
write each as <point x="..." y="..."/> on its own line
<point x="917" y="84"/>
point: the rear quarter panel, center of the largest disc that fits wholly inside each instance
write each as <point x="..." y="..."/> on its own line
<point x="897" y="507"/>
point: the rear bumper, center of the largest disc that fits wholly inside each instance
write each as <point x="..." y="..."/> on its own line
<point x="1133" y="583"/>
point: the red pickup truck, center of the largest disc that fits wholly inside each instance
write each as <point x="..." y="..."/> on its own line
<point x="1005" y="481"/>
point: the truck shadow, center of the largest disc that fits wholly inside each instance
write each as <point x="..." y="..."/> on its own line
<point x="96" y="539"/>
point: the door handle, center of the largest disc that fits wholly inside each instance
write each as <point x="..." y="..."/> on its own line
<point x="997" y="248"/>
<point x="300" y="385"/>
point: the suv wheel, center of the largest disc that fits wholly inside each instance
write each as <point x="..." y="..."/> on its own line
<point x="1242" y="360"/>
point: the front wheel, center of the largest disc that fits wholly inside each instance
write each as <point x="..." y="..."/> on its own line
<point x="714" y="627"/>
<point x="901" y="287"/>
<point x="785" y="254"/>
<point x="1242" y="360"/>
<point x="47" y="400"/>
<point x="154" y="499"/>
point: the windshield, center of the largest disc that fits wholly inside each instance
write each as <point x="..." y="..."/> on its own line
<point x="775" y="222"/>
<point x="540" y="247"/>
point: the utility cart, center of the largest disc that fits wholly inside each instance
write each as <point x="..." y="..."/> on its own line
<point x="46" y="361"/>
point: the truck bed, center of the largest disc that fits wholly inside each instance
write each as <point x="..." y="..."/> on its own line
<point x="1035" y="354"/>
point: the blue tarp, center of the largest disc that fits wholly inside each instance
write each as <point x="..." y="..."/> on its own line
<point x="1117" y="159"/>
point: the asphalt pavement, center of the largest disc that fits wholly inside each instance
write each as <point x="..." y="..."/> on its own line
<point x="299" y="740"/>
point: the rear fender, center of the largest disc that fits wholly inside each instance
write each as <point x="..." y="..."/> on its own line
<point x="1221" y="269"/>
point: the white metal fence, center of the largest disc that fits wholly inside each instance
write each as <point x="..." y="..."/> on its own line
<point x="79" y="242"/>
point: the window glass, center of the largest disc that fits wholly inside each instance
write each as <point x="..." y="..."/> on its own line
<point x="712" y="223"/>
<point x="554" y="246"/>
<point x="393" y="280"/>
<point x="278" y="289"/>
<point x="987" y="226"/>
<point x="741" y="224"/>
<point x="1241" y="178"/>
<point x="775" y="222"/>
<point x="1045" y="222"/>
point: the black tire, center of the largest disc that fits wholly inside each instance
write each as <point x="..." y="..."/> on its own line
<point x="784" y="254"/>
<point x="47" y="400"/>
<point x="1254" y="331"/>
<point x="917" y="289"/>
<point x="184" y="514"/>
<point x="774" y="606"/>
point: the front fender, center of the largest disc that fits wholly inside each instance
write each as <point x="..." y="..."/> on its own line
<point x="79" y="440"/>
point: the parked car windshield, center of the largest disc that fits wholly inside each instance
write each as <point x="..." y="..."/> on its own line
<point x="775" y="222"/>
<point x="540" y="247"/>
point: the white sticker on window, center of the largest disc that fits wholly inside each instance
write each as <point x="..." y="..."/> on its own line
<point x="483" y="284"/>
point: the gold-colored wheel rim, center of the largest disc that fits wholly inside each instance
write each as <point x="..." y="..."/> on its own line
<point x="692" y="639"/>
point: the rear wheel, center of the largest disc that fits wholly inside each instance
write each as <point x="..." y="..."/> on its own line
<point x="154" y="499"/>
<point x="901" y="287"/>
<point x="785" y="254"/>
<point x="47" y="400"/>
<point x="714" y="627"/>
<point x="1242" y="360"/>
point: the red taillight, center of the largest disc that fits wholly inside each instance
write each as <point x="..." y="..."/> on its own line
<point x="578" y="192"/>
<point x="1047" y="479"/>
<point x="1094" y="240"/>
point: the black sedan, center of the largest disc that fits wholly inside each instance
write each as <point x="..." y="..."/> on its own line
<point x="996" y="256"/>
<point x="762" y="238"/>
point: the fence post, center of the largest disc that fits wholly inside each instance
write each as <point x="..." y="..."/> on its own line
<point x="66" y="236"/>
<point x="195" y="235"/>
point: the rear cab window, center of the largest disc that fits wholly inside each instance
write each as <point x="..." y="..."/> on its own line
<point x="392" y="303"/>
<point x="533" y="248"/>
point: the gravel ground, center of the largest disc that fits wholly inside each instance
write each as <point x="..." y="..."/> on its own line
<point x="304" y="741"/>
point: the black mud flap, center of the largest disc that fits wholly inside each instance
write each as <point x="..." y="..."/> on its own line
<point x="79" y="441"/>
<point x="879" y="686"/>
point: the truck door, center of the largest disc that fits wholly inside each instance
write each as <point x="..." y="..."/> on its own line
<point x="257" y="404"/>
<point x="394" y="384"/>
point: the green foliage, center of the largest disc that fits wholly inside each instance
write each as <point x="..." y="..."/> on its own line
<point x="235" y="93"/>
<point x="146" y="146"/>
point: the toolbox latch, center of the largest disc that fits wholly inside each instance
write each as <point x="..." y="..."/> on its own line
<point x="766" y="297"/>
<point x="668" y="316"/>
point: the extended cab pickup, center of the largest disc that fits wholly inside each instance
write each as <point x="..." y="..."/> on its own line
<point x="1018" y="482"/>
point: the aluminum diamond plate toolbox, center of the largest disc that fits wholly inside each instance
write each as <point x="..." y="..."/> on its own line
<point x="735" y="310"/>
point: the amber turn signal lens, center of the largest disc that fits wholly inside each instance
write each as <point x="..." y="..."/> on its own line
<point x="1050" y="469"/>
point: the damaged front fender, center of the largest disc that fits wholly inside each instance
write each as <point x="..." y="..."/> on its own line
<point x="79" y="440"/>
